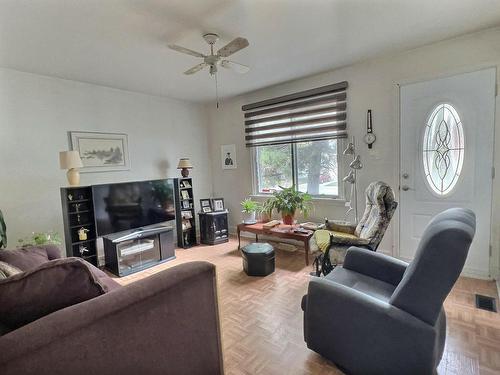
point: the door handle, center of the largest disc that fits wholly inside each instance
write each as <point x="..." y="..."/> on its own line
<point x="405" y="188"/>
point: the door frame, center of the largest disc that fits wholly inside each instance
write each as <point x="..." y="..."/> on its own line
<point x="494" y="257"/>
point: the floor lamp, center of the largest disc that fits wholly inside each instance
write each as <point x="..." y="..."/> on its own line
<point x="352" y="178"/>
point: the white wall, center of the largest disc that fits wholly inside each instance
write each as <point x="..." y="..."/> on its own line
<point x="36" y="112"/>
<point x="372" y="84"/>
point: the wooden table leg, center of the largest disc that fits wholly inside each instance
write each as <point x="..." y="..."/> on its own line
<point x="256" y="237"/>
<point x="306" y="248"/>
<point x="238" y="232"/>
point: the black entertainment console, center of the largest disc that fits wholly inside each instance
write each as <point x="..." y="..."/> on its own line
<point x="134" y="250"/>
<point x="136" y="220"/>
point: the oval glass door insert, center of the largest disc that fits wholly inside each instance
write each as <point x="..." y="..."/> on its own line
<point x="443" y="149"/>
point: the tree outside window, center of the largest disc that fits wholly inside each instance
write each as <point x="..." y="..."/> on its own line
<point x="311" y="166"/>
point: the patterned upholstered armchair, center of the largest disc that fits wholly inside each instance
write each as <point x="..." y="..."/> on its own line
<point x="337" y="237"/>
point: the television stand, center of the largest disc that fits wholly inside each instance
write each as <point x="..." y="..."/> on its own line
<point x="135" y="250"/>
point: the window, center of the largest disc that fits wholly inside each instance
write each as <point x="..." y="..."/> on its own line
<point x="311" y="166"/>
<point x="295" y="139"/>
<point x="273" y="167"/>
<point x="443" y="149"/>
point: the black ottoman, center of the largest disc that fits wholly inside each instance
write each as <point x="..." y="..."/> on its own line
<point x="258" y="259"/>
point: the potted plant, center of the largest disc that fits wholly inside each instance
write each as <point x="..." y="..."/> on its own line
<point x="249" y="209"/>
<point x="288" y="201"/>
<point x="40" y="238"/>
<point x="266" y="210"/>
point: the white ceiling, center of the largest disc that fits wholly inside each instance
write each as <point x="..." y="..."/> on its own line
<point x="122" y="43"/>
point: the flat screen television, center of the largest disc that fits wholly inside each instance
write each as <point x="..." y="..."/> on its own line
<point x="130" y="205"/>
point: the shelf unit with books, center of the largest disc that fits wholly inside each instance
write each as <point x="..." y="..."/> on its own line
<point x="185" y="213"/>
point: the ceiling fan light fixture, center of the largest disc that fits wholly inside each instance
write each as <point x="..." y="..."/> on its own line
<point x="213" y="59"/>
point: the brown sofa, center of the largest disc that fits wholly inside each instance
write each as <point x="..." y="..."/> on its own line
<point x="167" y="323"/>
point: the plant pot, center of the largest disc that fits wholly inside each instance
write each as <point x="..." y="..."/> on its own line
<point x="287" y="219"/>
<point x="265" y="217"/>
<point x="249" y="218"/>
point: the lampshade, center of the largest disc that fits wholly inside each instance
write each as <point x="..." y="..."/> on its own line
<point x="356" y="163"/>
<point x="349" y="149"/>
<point x="351" y="178"/>
<point x="70" y="159"/>
<point x="184" y="163"/>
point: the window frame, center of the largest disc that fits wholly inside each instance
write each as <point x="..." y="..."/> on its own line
<point x="293" y="152"/>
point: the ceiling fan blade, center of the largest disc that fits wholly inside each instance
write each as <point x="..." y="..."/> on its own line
<point x="185" y="50"/>
<point x="232" y="47"/>
<point x="195" y="68"/>
<point x="237" y="67"/>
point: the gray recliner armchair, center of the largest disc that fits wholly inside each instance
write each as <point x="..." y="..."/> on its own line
<point x="379" y="315"/>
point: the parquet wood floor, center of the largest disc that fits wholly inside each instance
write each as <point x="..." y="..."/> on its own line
<point x="262" y="321"/>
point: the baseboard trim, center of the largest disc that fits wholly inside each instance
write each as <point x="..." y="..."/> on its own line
<point x="467" y="271"/>
<point x="476" y="274"/>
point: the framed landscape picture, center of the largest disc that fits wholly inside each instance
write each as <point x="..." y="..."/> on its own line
<point x="101" y="152"/>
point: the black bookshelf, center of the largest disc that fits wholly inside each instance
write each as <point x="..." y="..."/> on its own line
<point x="185" y="213"/>
<point x="78" y="215"/>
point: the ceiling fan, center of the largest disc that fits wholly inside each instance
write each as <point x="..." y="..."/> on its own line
<point x="214" y="60"/>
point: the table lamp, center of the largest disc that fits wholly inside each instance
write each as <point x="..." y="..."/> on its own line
<point x="185" y="165"/>
<point x="71" y="161"/>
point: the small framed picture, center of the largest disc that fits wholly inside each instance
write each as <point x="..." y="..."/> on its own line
<point x="206" y="205"/>
<point x="185" y="204"/>
<point x="186" y="224"/>
<point x="185" y="194"/>
<point x="218" y="204"/>
<point x="228" y="156"/>
<point x="186" y="184"/>
<point x="187" y="215"/>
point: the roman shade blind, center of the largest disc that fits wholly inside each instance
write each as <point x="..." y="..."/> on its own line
<point x="309" y="115"/>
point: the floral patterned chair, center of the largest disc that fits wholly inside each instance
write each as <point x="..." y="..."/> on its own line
<point x="338" y="237"/>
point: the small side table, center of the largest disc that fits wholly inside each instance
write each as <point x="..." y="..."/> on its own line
<point x="213" y="227"/>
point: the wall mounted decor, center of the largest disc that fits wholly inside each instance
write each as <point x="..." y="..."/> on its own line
<point x="228" y="156"/>
<point x="101" y="152"/>
<point x="369" y="137"/>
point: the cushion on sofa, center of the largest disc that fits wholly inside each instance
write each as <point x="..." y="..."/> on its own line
<point x="52" y="286"/>
<point x="103" y="278"/>
<point x="7" y="270"/>
<point x="25" y="258"/>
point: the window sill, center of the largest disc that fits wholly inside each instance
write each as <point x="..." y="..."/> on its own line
<point x="333" y="201"/>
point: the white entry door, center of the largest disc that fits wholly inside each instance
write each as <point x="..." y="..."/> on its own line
<point x="447" y="128"/>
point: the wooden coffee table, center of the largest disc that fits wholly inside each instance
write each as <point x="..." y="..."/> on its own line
<point x="280" y="231"/>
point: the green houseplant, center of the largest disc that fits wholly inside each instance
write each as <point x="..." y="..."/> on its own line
<point x="40" y="238"/>
<point x="288" y="201"/>
<point x="266" y="209"/>
<point x="250" y="207"/>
